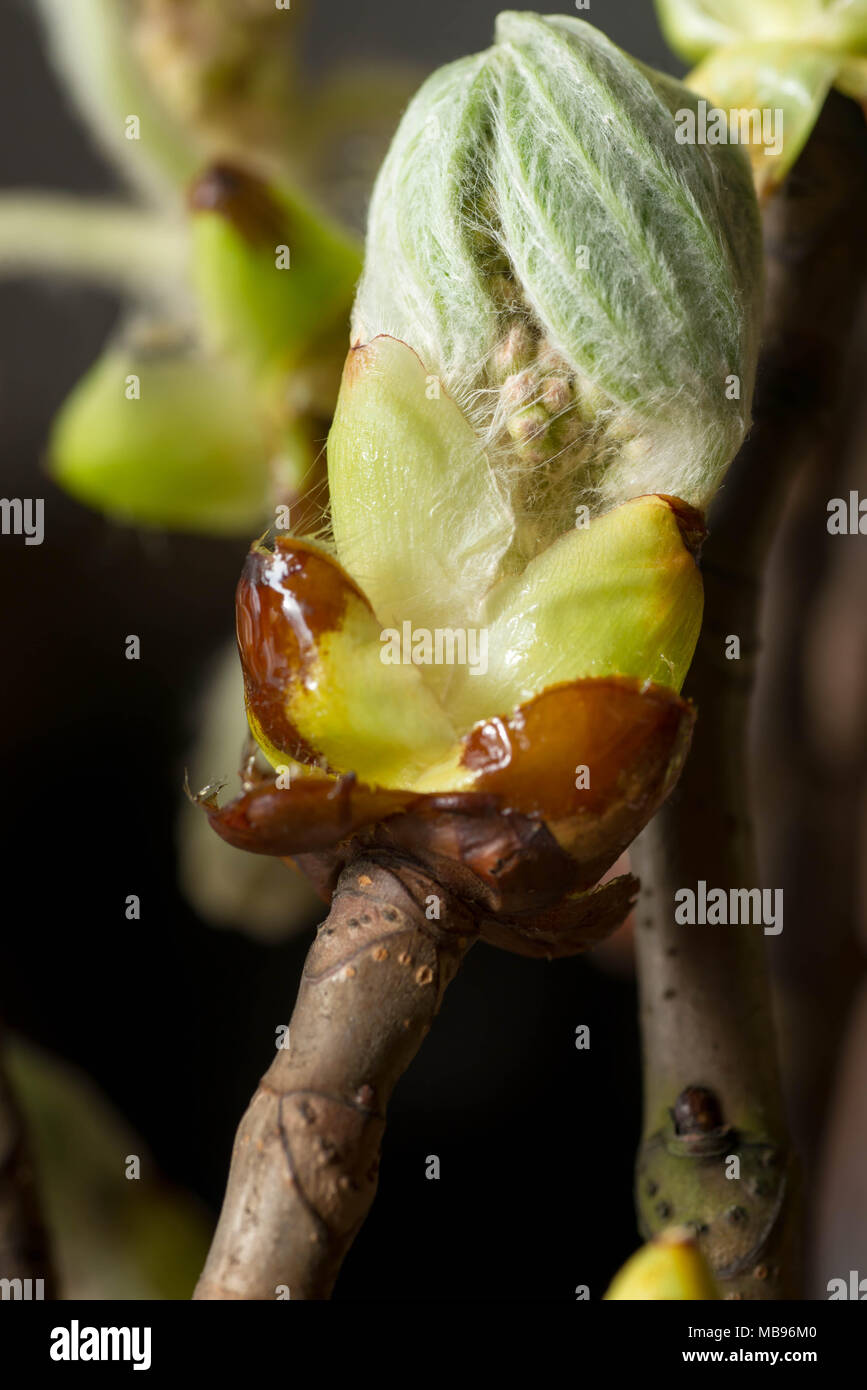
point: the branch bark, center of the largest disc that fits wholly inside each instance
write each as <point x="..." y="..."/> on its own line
<point x="306" y="1155"/>
<point x="712" y="1086"/>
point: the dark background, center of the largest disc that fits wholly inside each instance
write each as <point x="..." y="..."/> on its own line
<point x="174" y="1019"/>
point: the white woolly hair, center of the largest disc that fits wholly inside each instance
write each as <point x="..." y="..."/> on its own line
<point x="535" y="194"/>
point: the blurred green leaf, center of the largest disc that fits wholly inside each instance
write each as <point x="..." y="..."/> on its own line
<point x="113" y="1236"/>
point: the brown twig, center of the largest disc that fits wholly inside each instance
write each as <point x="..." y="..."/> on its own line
<point x="306" y="1156"/>
<point x="712" y="1088"/>
<point x="414" y="879"/>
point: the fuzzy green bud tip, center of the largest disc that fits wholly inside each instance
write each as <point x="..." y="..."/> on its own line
<point x="586" y="286"/>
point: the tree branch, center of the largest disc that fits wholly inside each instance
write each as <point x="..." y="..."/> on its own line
<point x="306" y="1155"/>
<point x="712" y="1087"/>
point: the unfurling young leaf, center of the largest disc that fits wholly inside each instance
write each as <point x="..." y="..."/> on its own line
<point x="769" y="65"/>
<point x="695" y="27"/>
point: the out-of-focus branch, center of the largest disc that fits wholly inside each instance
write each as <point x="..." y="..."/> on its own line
<point x="712" y="1087"/>
<point x="123" y="248"/>
<point x="811" y="698"/>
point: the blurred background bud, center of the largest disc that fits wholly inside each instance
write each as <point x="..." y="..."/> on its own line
<point x="162" y="435"/>
<point x="241" y="284"/>
<point x="273" y="277"/>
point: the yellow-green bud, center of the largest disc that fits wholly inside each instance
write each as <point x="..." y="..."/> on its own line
<point x="670" y="1268"/>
